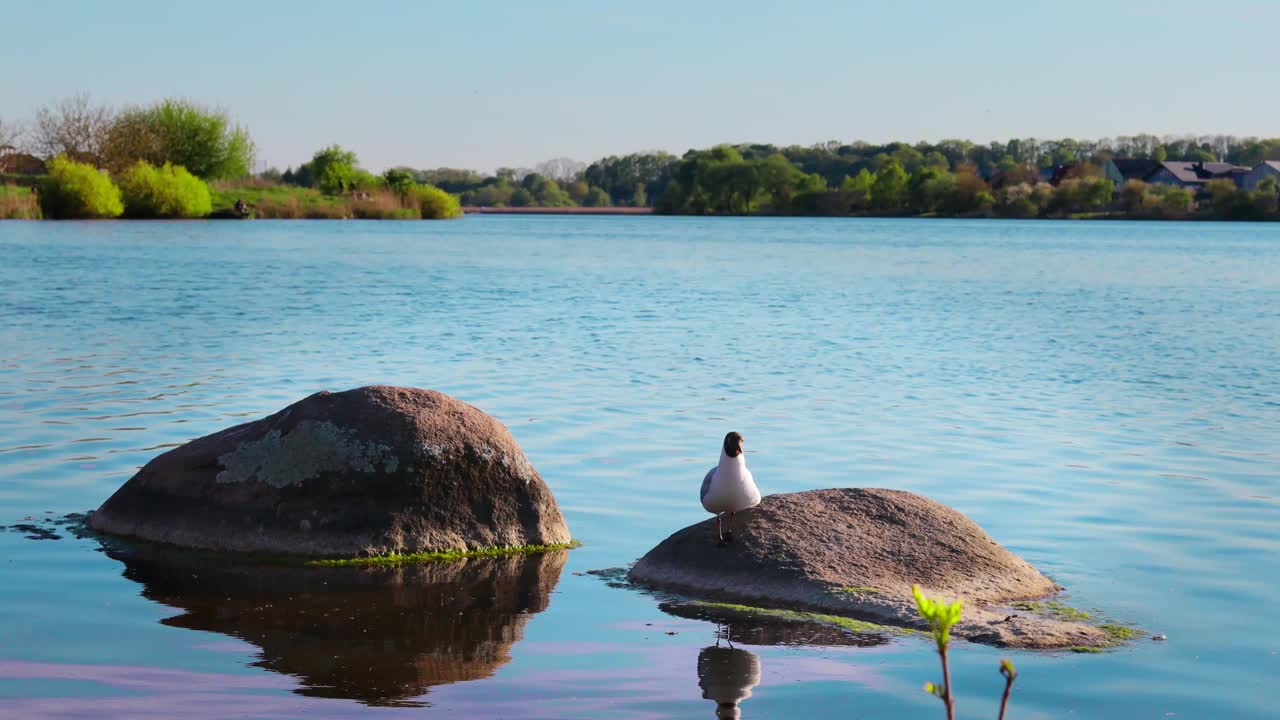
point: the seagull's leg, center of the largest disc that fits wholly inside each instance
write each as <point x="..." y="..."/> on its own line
<point x="720" y="527"/>
<point x="728" y="537"/>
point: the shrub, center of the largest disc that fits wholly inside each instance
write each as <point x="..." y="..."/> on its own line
<point x="76" y="190"/>
<point x="437" y="204"/>
<point x="163" y="192"/>
<point x="1167" y="201"/>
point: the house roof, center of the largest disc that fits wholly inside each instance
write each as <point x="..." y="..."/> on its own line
<point x="1200" y="172"/>
<point x="1135" y="168"/>
<point x="1273" y="164"/>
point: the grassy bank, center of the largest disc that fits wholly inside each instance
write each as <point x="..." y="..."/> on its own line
<point x="270" y="200"/>
<point x="273" y="200"/>
<point x="18" y="203"/>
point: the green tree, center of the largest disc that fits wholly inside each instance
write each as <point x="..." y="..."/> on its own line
<point x="858" y="188"/>
<point x="924" y="191"/>
<point x="521" y="197"/>
<point x="74" y="190"/>
<point x="176" y="131"/>
<point x="889" y="190"/>
<point x="399" y="181"/>
<point x="596" y="197"/>
<point x="1265" y="198"/>
<point x="168" y="191"/>
<point x="332" y="170"/>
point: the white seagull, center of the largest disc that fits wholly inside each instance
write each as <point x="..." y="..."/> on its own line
<point x="729" y="487"/>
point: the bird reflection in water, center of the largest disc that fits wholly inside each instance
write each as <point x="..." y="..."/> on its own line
<point x="380" y="636"/>
<point x="726" y="675"/>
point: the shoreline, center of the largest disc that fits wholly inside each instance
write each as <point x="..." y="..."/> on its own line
<point x="486" y="210"/>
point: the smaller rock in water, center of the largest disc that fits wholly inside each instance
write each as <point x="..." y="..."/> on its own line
<point x="367" y="471"/>
<point x="857" y="552"/>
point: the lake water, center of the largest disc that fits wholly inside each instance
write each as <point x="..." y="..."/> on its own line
<point x="1103" y="398"/>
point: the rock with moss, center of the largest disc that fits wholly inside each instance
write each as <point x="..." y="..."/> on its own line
<point x="856" y="552"/>
<point x="371" y="471"/>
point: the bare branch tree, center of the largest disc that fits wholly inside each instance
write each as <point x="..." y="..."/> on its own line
<point x="10" y="136"/>
<point x="74" y="127"/>
<point x="561" y="169"/>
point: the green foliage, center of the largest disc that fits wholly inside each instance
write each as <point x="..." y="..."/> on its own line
<point x="545" y="191"/>
<point x="632" y="179"/>
<point x="520" y="197"/>
<point x="399" y="181"/>
<point x="1081" y="194"/>
<point x="176" y="131"/>
<point x="720" y="181"/>
<point x="332" y="170"/>
<point x="1265" y="196"/>
<point x="940" y="616"/>
<point x="168" y="191"/>
<point x="597" y="197"/>
<point x="859" y="189"/>
<point x="1167" y="201"/>
<point x="74" y="190"/>
<point x="889" y="189"/>
<point x="436" y="204"/>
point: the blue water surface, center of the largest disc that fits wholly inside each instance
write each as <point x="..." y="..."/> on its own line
<point x="1102" y="397"/>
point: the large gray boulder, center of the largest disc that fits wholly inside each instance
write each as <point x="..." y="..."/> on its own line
<point x="857" y="552"/>
<point x="367" y="471"/>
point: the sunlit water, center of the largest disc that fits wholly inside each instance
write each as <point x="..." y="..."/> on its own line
<point x="1104" y="398"/>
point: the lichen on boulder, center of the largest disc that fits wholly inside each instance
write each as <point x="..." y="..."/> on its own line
<point x="856" y="552"/>
<point x="373" y="470"/>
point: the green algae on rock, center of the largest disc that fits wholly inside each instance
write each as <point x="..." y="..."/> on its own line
<point x="445" y="556"/>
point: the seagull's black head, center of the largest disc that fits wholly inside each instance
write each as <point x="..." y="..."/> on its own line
<point x="733" y="444"/>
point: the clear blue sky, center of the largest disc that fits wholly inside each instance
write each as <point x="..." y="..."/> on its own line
<point x="481" y="85"/>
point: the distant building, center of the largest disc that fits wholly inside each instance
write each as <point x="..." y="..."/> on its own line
<point x="1191" y="175"/>
<point x="18" y="163"/>
<point x="1122" y="170"/>
<point x="1270" y="168"/>
<point x="1194" y="175"/>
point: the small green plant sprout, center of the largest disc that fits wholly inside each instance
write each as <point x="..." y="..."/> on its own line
<point x="1010" y="674"/>
<point x="941" y="617"/>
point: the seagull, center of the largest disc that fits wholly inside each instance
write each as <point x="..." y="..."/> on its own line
<point x="728" y="487"/>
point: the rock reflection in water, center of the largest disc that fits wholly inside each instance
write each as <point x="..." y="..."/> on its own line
<point x="381" y="636"/>
<point x="726" y="675"/>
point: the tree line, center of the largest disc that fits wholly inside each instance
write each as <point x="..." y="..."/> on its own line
<point x="158" y="160"/>
<point x="950" y="177"/>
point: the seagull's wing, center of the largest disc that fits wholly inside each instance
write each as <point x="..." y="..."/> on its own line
<point x="706" y="484"/>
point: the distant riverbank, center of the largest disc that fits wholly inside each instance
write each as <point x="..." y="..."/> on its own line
<point x="474" y="210"/>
